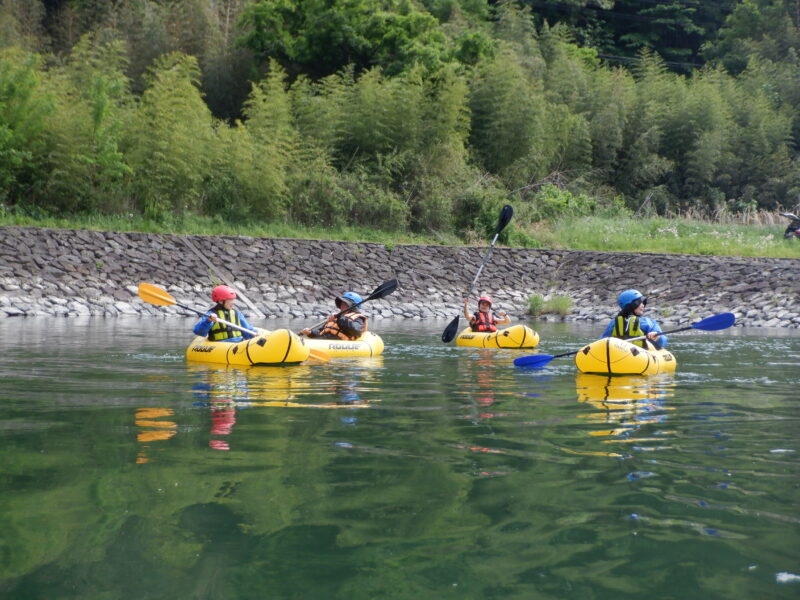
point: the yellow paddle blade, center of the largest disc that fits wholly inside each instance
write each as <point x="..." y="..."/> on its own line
<point x="319" y="355"/>
<point x="155" y="295"/>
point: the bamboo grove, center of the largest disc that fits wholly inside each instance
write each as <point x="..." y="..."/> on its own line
<point x="429" y="119"/>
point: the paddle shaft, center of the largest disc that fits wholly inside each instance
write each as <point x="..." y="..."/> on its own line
<point x="381" y="291"/>
<point x="340" y="313"/>
<point x="483" y="264"/>
<point x="450" y="331"/>
<point x="658" y="333"/>
<point x="505" y="216"/>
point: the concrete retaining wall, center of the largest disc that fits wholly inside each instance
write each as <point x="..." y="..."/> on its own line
<point x="69" y="272"/>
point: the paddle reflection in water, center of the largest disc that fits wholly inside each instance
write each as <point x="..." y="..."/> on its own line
<point x="629" y="405"/>
<point x="153" y="426"/>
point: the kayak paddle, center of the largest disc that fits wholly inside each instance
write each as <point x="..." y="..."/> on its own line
<point x="505" y="216"/>
<point x="155" y="295"/>
<point x="712" y="323"/>
<point x="383" y="290"/>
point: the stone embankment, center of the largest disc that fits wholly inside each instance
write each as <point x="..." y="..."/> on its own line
<point x="68" y="273"/>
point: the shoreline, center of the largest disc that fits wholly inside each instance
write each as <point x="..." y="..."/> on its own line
<point x="60" y="272"/>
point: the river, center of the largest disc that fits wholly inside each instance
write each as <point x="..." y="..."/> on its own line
<point x="429" y="472"/>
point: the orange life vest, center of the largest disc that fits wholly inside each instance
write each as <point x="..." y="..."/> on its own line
<point x="484" y="322"/>
<point x="331" y="328"/>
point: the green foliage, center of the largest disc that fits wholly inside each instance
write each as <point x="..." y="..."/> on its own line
<point x="323" y="197"/>
<point x="89" y="171"/>
<point x="536" y="305"/>
<point x="269" y="121"/>
<point x="560" y="305"/>
<point x="552" y="203"/>
<point x="681" y="236"/>
<point x="508" y="116"/>
<point x="171" y="136"/>
<point x="322" y="37"/>
<point x="22" y="24"/>
<point x="383" y="116"/>
<point x="478" y="209"/>
<point x="761" y="29"/>
<point x="319" y="109"/>
<point x="24" y="108"/>
<point x="609" y="109"/>
<point x="236" y="188"/>
<point x="407" y="115"/>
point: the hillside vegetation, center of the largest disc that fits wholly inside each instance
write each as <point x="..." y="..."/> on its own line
<point x="411" y="118"/>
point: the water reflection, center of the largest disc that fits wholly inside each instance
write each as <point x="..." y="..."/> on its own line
<point x="627" y="408"/>
<point x="458" y="485"/>
<point x="152" y="427"/>
<point x="227" y="389"/>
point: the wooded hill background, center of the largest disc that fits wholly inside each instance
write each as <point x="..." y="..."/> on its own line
<point x="419" y="115"/>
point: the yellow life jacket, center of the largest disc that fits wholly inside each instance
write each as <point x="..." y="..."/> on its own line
<point x="332" y="328"/>
<point x="628" y="328"/>
<point x="220" y="331"/>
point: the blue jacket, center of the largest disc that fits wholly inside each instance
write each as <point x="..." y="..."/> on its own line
<point x="204" y="326"/>
<point x="646" y="324"/>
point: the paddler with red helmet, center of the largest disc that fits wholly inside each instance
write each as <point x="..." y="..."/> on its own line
<point x="210" y="327"/>
<point x="484" y="320"/>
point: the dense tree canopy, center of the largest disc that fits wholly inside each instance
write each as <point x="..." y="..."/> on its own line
<point x="397" y="114"/>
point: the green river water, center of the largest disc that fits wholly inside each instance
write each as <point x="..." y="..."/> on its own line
<point x="430" y="472"/>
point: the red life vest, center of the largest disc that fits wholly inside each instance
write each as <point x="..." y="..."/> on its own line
<point x="484" y="322"/>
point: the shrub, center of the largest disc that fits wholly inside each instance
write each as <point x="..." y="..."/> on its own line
<point x="536" y="305"/>
<point x="552" y="203"/>
<point x="560" y="305"/>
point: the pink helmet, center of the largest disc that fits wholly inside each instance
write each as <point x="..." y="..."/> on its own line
<point x="222" y="293"/>
<point x="485" y="299"/>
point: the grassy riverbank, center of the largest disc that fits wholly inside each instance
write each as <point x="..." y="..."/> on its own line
<point x="660" y="235"/>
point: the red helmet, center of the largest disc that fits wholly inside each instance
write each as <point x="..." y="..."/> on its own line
<point x="222" y="293"/>
<point x="485" y="299"/>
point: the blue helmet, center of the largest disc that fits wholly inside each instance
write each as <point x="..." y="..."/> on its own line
<point x="350" y="299"/>
<point x="628" y="297"/>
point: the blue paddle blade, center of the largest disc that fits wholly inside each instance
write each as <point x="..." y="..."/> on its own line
<point x="533" y="360"/>
<point x="716" y="322"/>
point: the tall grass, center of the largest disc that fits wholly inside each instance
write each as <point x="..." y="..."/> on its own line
<point x="198" y="225"/>
<point x="619" y="234"/>
<point x="671" y="236"/>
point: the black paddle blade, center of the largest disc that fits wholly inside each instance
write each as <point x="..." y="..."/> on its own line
<point x="450" y="331"/>
<point x="716" y="322"/>
<point x="505" y="217"/>
<point x="383" y="290"/>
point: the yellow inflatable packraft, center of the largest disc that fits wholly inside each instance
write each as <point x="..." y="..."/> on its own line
<point x="613" y="356"/>
<point x="368" y="344"/>
<point x="279" y="347"/>
<point x="516" y="336"/>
